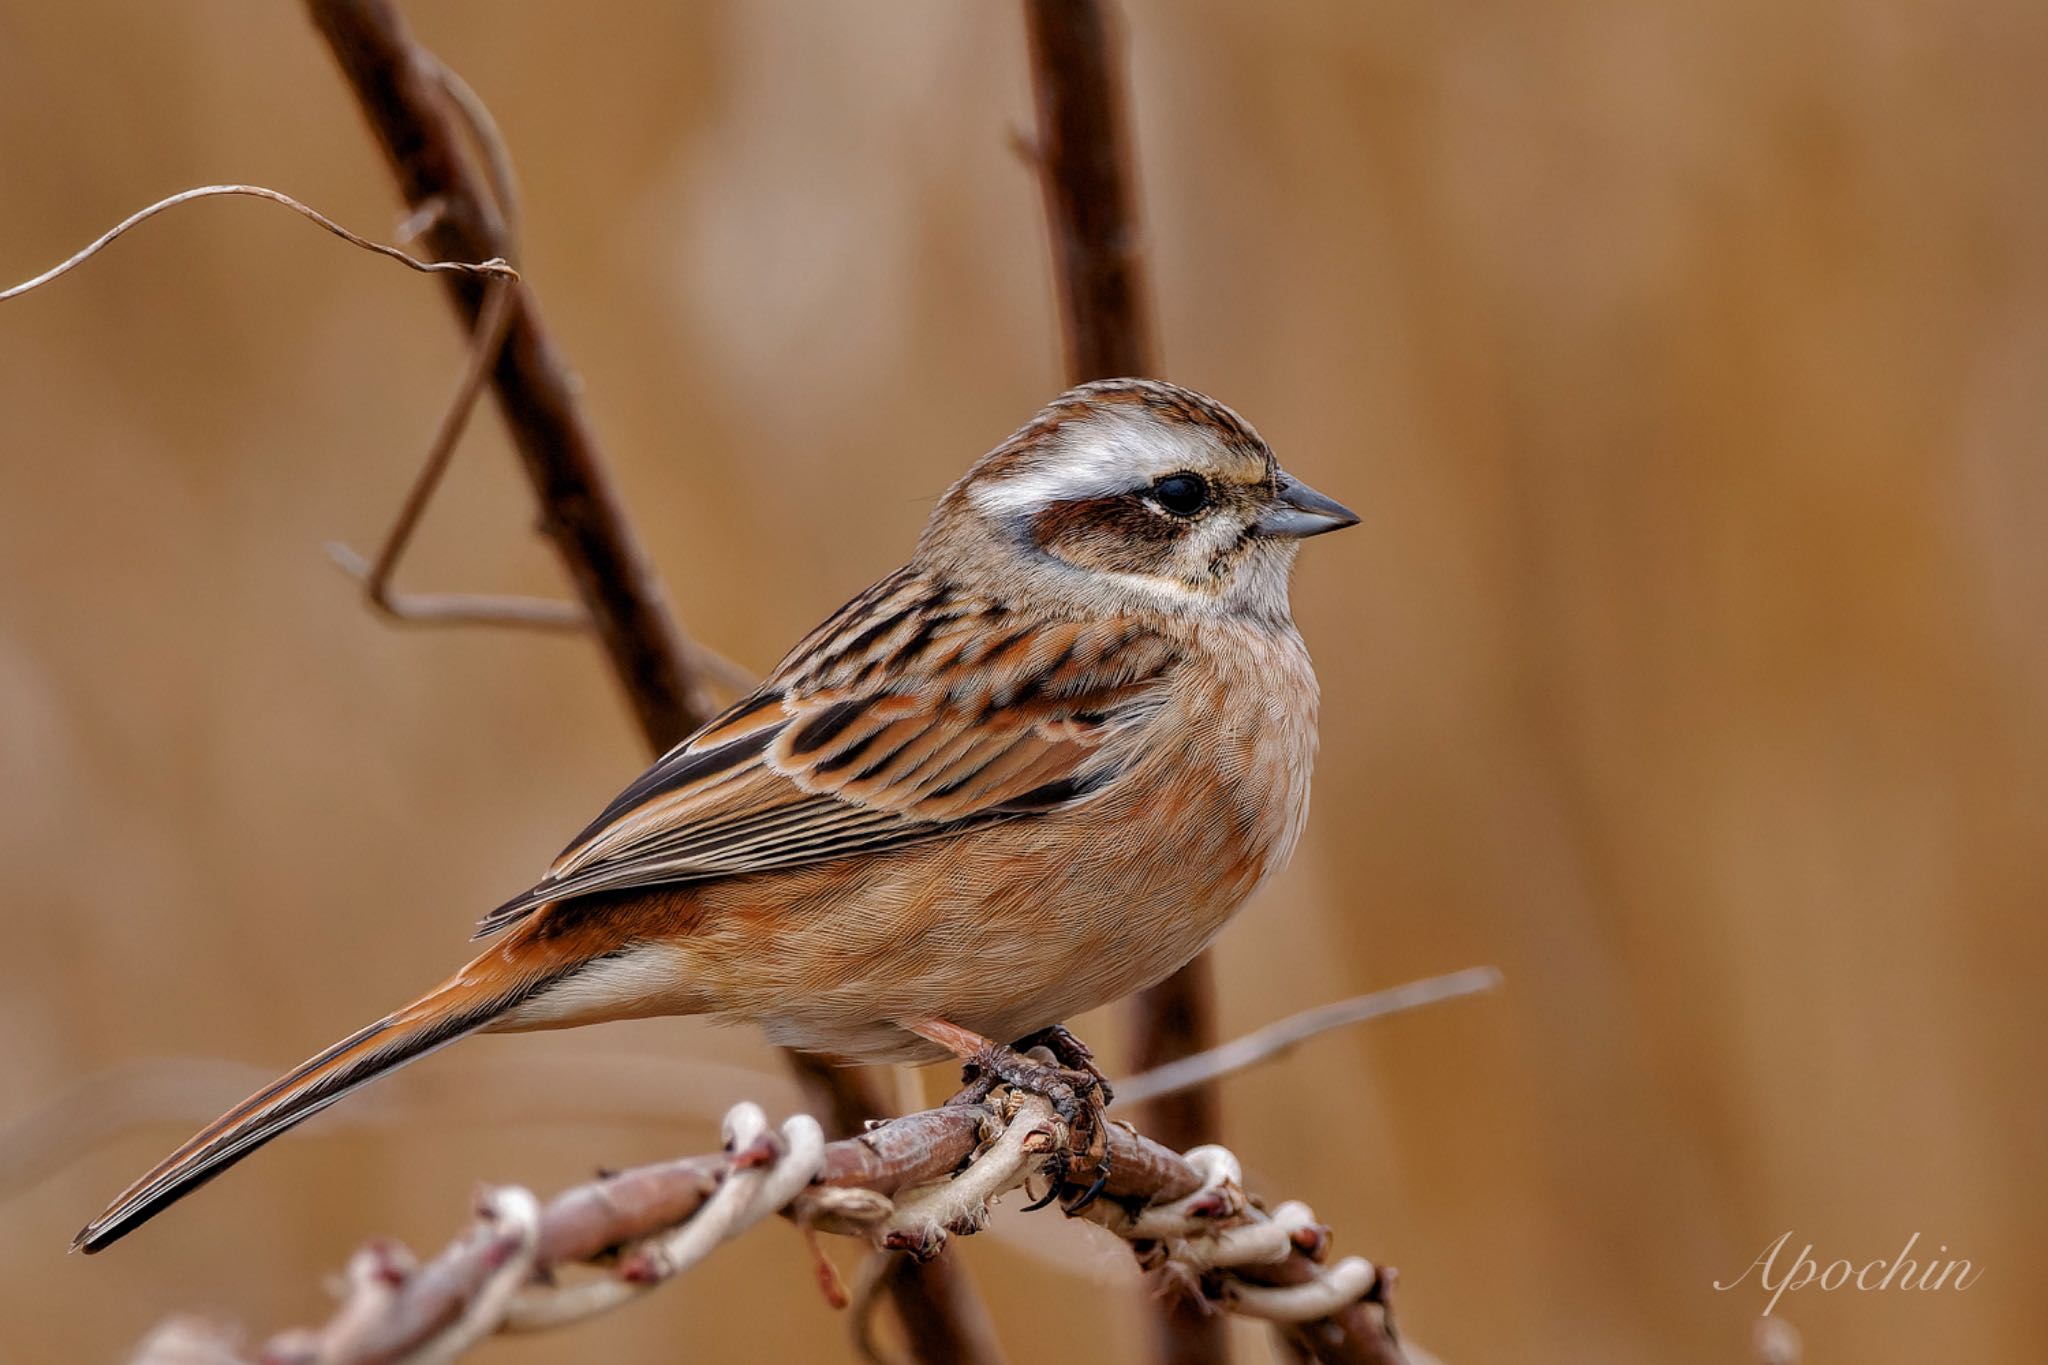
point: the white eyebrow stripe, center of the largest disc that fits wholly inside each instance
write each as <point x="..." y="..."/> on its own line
<point x="1042" y="488"/>
<point x="1096" y="459"/>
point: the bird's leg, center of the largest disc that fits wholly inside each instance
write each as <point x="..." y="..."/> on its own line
<point x="1077" y="1093"/>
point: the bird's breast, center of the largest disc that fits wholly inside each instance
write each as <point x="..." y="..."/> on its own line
<point x="1019" y="924"/>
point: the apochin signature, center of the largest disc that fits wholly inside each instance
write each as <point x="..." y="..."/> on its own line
<point x="1900" y="1272"/>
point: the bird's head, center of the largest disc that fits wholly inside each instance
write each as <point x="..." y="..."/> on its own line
<point x="1133" y="493"/>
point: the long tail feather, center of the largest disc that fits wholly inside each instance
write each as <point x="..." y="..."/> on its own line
<point x="460" y="1007"/>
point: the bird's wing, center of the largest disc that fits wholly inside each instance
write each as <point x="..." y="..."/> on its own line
<point x="911" y="715"/>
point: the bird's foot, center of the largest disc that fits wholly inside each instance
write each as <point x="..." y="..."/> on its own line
<point x="1070" y="1083"/>
<point x="1078" y="1094"/>
<point x="1070" y="1052"/>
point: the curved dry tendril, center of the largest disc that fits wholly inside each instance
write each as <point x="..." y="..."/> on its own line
<point x="496" y="267"/>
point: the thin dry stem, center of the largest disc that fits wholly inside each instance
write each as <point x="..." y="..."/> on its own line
<point x="1276" y="1039"/>
<point x="483" y="353"/>
<point x="453" y="609"/>
<point x="456" y="608"/>
<point x="484" y="133"/>
<point x="495" y="268"/>
<point x="502" y="298"/>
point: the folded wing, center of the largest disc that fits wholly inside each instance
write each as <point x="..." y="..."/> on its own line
<point x="913" y="714"/>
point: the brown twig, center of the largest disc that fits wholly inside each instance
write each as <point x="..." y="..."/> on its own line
<point x="459" y="609"/>
<point x="423" y="135"/>
<point x="909" y="1184"/>
<point x="420" y="127"/>
<point x="1083" y="152"/>
<point x="1084" y="161"/>
<point x="938" y="1307"/>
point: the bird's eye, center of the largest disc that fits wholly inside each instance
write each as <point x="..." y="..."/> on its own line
<point x="1182" y="494"/>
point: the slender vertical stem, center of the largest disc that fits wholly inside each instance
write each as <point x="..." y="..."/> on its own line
<point x="1084" y="158"/>
<point x="403" y="94"/>
<point x="1090" y="193"/>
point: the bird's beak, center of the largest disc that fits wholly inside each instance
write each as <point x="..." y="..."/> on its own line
<point x="1301" y="511"/>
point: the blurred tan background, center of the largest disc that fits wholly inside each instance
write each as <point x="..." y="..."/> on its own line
<point x="1690" y="364"/>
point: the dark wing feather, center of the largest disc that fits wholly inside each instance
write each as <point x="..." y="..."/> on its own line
<point x="914" y="713"/>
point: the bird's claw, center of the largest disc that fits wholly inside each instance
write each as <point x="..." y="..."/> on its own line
<point x="1077" y="1092"/>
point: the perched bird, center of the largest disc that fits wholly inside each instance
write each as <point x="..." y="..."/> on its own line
<point x="1032" y="771"/>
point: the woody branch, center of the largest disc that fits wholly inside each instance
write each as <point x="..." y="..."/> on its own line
<point x="1083" y="157"/>
<point x="907" y="1185"/>
<point x="419" y="122"/>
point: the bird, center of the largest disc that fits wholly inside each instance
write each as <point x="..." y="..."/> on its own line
<point x="1034" y="770"/>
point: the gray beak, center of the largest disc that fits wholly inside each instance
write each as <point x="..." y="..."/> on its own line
<point x="1301" y="511"/>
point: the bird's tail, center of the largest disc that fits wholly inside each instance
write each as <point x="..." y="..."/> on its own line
<point x="467" y="1002"/>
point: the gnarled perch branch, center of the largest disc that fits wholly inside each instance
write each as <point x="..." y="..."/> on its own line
<point x="907" y="1185"/>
